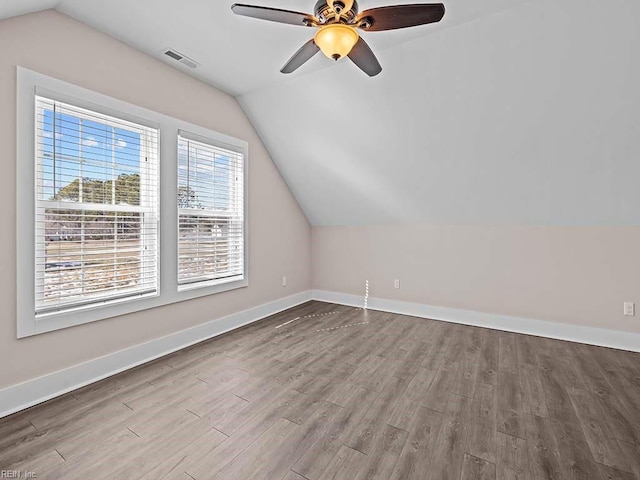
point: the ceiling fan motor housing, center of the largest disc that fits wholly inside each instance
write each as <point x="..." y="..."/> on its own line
<point x="325" y="14"/>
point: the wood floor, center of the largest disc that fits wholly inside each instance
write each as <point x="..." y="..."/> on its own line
<point x="346" y="394"/>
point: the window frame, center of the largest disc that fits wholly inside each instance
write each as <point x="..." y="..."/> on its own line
<point x="187" y="135"/>
<point x="29" y="84"/>
<point x="146" y="185"/>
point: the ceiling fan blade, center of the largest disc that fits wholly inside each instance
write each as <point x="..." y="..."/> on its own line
<point x="304" y="53"/>
<point x="362" y="55"/>
<point x="400" y="16"/>
<point x="274" y="14"/>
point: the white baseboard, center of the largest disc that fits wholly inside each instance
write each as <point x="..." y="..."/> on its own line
<point x="24" y="395"/>
<point x="541" y="328"/>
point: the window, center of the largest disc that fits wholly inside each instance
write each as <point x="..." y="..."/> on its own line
<point x="99" y="230"/>
<point x="210" y="212"/>
<point x="96" y="207"/>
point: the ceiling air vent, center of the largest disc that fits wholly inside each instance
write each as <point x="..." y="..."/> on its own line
<point x="183" y="59"/>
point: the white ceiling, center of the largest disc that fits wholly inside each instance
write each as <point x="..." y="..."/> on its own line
<point x="526" y="112"/>
<point x="527" y="116"/>
<point x="237" y="54"/>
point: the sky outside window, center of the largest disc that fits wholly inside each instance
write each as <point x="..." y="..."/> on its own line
<point x="94" y="151"/>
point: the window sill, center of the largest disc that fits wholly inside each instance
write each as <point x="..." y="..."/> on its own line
<point x="212" y="284"/>
<point x="71" y="317"/>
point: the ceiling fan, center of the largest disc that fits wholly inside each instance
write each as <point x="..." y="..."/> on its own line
<point x="337" y="22"/>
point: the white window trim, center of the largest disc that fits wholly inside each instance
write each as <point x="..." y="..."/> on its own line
<point x="142" y="208"/>
<point x="28" y="82"/>
<point x="225" y="146"/>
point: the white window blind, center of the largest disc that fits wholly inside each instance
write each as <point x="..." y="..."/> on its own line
<point x="96" y="207"/>
<point x="210" y="212"/>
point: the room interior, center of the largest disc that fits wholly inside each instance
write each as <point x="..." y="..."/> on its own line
<point x="429" y="248"/>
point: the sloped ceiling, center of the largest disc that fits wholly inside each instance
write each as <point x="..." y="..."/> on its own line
<point x="508" y="112"/>
<point x="527" y="116"/>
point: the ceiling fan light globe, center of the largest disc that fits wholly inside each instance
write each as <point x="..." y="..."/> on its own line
<point x="336" y="40"/>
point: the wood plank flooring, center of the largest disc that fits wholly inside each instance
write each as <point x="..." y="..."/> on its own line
<point x="347" y="394"/>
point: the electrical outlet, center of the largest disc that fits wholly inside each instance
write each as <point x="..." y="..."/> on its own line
<point x="629" y="309"/>
<point x="396" y="284"/>
<point x="284" y="281"/>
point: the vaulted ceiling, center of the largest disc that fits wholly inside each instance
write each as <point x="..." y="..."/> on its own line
<point x="507" y="112"/>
